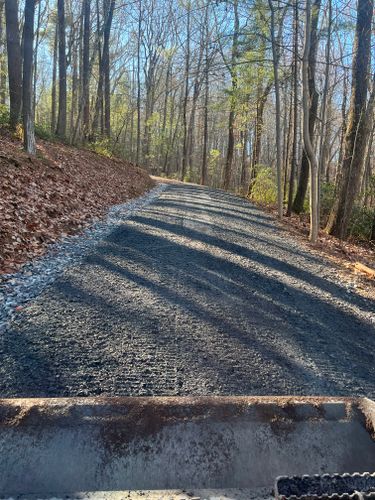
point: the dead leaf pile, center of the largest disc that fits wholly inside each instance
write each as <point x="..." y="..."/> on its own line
<point x="56" y="193"/>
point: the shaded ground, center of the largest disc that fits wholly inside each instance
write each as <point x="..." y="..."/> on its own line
<point x="343" y="253"/>
<point x="55" y="193"/>
<point x="201" y="293"/>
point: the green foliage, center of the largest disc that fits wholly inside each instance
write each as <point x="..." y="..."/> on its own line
<point x="327" y="197"/>
<point x="213" y="159"/>
<point x="102" y="147"/>
<point x="44" y="133"/>
<point x="361" y="223"/>
<point x="370" y="192"/>
<point x="264" y="189"/>
<point x="154" y="119"/>
<point x="4" y="115"/>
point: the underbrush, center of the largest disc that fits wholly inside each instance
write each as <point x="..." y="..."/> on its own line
<point x="264" y="187"/>
<point x="264" y="192"/>
<point x="101" y="147"/>
<point x="361" y="223"/>
<point x="43" y="132"/>
<point x="4" y="116"/>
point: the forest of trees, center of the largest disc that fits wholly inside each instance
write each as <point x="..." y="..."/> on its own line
<point x="272" y="99"/>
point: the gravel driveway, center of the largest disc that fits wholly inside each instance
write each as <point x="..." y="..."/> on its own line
<point x="199" y="293"/>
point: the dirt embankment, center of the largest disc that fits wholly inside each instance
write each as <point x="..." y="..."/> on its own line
<point x="56" y="193"/>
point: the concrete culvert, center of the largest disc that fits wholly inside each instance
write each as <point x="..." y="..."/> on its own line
<point x="60" y="447"/>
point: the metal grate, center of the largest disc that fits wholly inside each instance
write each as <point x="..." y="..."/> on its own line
<point x="332" y="487"/>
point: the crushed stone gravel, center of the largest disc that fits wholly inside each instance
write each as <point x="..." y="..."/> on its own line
<point x="17" y="289"/>
<point x="199" y="292"/>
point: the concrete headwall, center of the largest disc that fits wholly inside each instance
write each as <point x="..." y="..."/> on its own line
<point x="89" y="444"/>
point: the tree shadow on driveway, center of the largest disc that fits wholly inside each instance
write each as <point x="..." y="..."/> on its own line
<point x="168" y="306"/>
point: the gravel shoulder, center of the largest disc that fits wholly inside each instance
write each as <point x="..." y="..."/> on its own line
<point x="197" y="293"/>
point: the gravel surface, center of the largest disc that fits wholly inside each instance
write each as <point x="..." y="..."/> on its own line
<point x="19" y="288"/>
<point x="198" y="293"/>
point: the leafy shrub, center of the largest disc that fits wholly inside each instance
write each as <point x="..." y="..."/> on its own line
<point x="361" y="223"/>
<point x="19" y="132"/>
<point x="102" y="147"/>
<point x="44" y="133"/>
<point x="4" y="115"/>
<point x="213" y="160"/>
<point x="327" y="197"/>
<point x="264" y="189"/>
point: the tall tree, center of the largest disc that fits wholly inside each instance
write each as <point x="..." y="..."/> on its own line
<point x="3" y="71"/>
<point x="37" y="41"/>
<point x="62" y="113"/>
<point x="99" y="94"/>
<point x="139" y="35"/>
<point x="232" y="67"/>
<point x="27" y="83"/>
<point x="203" y="179"/>
<point x="186" y="94"/>
<point x="109" y="9"/>
<point x="276" y="58"/>
<point x="358" y="128"/>
<point x="86" y="68"/>
<point x="313" y="103"/>
<point x="309" y="149"/>
<point x="54" y="80"/>
<point x="323" y="112"/>
<point x="14" y="61"/>
<point x="293" y="167"/>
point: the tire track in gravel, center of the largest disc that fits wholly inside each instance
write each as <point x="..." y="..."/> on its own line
<point x="199" y="293"/>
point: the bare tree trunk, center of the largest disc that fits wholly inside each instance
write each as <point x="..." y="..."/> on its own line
<point x="244" y="161"/>
<point x="172" y="135"/>
<point x="54" y="80"/>
<point x="86" y="68"/>
<point x="314" y="97"/>
<point x="14" y="61"/>
<point x="358" y="125"/>
<point x="323" y="117"/>
<point x="276" y="57"/>
<point x="325" y="91"/>
<point x="99" y="94"/>
<point x="36" y="54"/>
<point x="131" y="139"/>
<point x="293" y="167"/>
<point x="344" y="124"/>
<point x="309" y="149"/>
<point x="27" y="84"/>
<point x="139" y="34"/>
<point x="61" y="120"/>
<point x="75" y="108"/>
<point x="106" y="68"/>
<point x="186" y="96"/>
<point x="232" y="113"/>
<point x="206" y="102"/>
<point x="2" y="56"/>
<point x="259" y="122"/>
<point x="288" y="133"/>
<point x="168" y="78"/>
<point x="367" y="172"/>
